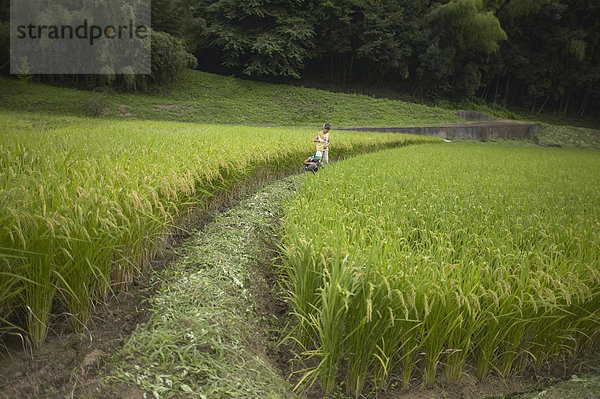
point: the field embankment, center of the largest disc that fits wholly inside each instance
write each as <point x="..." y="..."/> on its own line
<point x="208" y="98"/>
<point x="448" y="258"/>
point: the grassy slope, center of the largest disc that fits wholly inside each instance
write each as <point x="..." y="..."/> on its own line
<point x="208" y="98"/>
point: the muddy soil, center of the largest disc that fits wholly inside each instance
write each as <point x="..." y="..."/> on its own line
<point x="69" y="362"/>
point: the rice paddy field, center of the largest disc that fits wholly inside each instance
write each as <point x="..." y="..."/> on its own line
<point x="86" y="203"/>
<point x="426" y="262"/>
<point x="401" y="267"/>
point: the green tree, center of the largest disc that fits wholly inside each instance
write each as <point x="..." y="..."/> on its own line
<point x="169" y="58"/>
<point x="552" y="56"/>
<point x="466" y="36"/>
<point x="259" y="37"/>
<point x="369" y="40"/>
<point x="181" y="19"/>
<point x="170" y="55"/>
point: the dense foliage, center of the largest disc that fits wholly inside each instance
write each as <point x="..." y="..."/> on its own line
<point x="170" y="55"/>
<point x="543" y="54"/>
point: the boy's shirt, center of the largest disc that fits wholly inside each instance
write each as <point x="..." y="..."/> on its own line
<point x="323" y="143"/>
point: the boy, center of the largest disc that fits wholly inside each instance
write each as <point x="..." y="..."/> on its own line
<point x="322" y="141"/>
<point x="312" y="163"/>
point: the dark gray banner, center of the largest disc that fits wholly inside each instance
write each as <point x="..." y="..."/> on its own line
<point x="80" y="37"/>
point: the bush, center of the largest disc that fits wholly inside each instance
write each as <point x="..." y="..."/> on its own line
<point x="170" y="58"/>
<point x="97" y="105"/>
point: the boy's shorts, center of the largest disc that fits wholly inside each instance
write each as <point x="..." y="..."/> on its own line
<point x="319" y="155"/>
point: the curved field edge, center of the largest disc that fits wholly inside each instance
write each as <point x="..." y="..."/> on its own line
<point x="449" y="259"/>
<point x="228" y="345"/>
<point x="86" y="204"/>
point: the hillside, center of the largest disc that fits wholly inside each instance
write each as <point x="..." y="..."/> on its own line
<point x="208" y="98"/>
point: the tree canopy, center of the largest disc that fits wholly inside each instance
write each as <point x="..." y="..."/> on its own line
<point x="543" y="54"/>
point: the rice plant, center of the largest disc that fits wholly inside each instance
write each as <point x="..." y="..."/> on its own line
<point x="85" y="204"/>
<point x="438" y="259"/>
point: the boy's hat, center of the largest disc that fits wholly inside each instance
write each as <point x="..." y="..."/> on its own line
<point x="327" y="126"/>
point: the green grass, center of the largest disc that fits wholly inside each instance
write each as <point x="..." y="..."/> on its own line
<point x="411" y="262"/>
<point x="568" y="136"/>
<point x="208" y="98"/>
<point x="554" y="130"/>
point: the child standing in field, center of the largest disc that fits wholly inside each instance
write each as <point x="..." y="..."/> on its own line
<point x="322" y="141"/>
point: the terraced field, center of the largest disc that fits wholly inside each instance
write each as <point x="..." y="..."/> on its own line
<point x="85" y="204"/>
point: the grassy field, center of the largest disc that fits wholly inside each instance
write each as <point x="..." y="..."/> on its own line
<point x="85" y="203"/>
<point x="451" y="257"/>
<point x="207" y="98"/>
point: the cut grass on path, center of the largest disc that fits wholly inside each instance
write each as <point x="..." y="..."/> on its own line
<point x="207" y="335"/>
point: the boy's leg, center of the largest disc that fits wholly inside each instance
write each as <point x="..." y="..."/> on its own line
<point x="326" y="156"/>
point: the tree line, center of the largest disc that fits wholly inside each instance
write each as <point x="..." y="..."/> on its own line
<point x="543" y="54"/>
